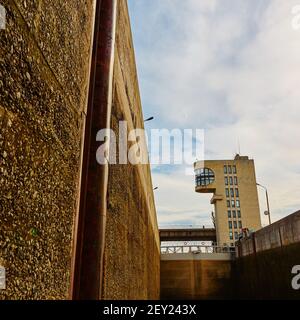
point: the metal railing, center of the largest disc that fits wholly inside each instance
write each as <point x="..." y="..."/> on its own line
<point x="184" y="226"/>
<point x="196" y="249"/>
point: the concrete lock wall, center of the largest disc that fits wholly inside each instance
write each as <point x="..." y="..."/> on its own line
<point x="196" y="277"/>
<point x="132" y="255"/>
<point x="44" y="76"/>
<point x="263" y="268"/>
<point x="44" y="70"/>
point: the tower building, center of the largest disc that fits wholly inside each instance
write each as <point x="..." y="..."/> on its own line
<point x="235" y="197"/>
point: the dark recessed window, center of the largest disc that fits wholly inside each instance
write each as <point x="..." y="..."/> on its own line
<point x="228" y="204"/>
<point x="204" y="177"/>
<point x="227" y="192"/>
<point x="229" y="213"/>
<point x="236" y="181"/>
<point x="239" y="213"/>
<point x="231" y="192"/>
<point x="229" y="169"/>
<point x="230" y="224"/>
<point x="231" y="235"/>
<point x="237" y="203"/>
<point x="240" y="225"/>
<point x="237" y="194"/>
<point x="236" y="235"/>
<point x="235" y="224"/>
<point x="226" y="181"/>
<point x="225" y="169"/>
<point x="234" y="213"/>
<point x="233" y="203"/>
<point x="230" y="181"/>
<point x="234" y="169"/>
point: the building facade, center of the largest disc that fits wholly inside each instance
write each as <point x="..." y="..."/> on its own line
<point x="235" y="197"/>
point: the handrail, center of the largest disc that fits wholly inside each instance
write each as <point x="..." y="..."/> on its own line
<point x="196" y="249"/>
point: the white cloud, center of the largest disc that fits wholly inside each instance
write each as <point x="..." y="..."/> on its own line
<point x="231" y="67"/>
<point x="177" y="202"/>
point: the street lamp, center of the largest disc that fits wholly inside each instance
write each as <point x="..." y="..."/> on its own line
<point x="155" y="188"/>
<point x="268" y="213"/>
<point x="149" y="119"/>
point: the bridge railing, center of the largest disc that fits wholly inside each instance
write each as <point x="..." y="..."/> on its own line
<point x="196" y="249"/>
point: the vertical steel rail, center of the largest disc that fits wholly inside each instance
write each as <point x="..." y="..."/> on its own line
<point x="90" y="238"/>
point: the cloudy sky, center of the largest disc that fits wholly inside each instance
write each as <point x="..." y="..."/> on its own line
<point x="231" y="68"/>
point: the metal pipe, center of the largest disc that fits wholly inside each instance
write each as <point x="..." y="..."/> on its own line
<point x="90" y="238"/>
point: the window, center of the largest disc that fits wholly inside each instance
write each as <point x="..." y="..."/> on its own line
<point x="237" y="194"/>
<point x="237" y="203"/>
<point x="230" y="224"/>
<point x="235" y="224"/>
<point x="231" y="192"/>
<point x="229" y="169"/>
<point x="230" y="180"/>
<point x="233" y="203"/>
<point x="240" y="225"/>
<point x="234" y="213"/>
<point x="226" y="181"/>
<point x="234" y="169"/>
<point x="204" y="177"/>
<point x="236" y="181"/>
<point x="225" y="169"/>
<point x="231" y="235"/>
<point x="239" y="213"/>
<point x="236" y="235"/>
<point x="227" y="192"/>
<point x="228" y="204"/>
<point x="229" y="213"/>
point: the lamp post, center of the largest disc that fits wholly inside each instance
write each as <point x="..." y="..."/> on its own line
<point x="149" y="119"/>
<point x="268" y="213"/>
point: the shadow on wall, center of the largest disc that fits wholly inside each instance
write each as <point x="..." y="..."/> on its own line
<point x="266" y="260"/>
<point x="196" y="279"/>
<point x="267" y="274"/>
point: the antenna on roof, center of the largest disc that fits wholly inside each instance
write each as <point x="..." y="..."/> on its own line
<point x="238" y="151"/>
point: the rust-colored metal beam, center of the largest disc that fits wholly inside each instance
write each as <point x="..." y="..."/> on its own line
<point x="90" y="234"/>
<point x="200" y="234"/>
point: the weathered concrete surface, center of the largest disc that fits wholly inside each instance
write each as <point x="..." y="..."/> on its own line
<point x="44" y="66"/>
<point x="267" y="275"/>
<point x="43" y="88"/>
<point x="196" y="279"/>
<point x="263" y="269"/>
<point x="132" y="255"/>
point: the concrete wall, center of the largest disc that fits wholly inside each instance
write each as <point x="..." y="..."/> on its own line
<point x="266" y="259"/>
<point x="132" y="255"/>
<point x="188" y="276"/>
<point x="267" y="275"/>
<point x="44" y="74"/>
<point x="44" y="65"/>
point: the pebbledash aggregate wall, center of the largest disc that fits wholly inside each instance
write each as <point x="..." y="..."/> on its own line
<point x="44" y="76"/>
<point x="132" y="254"/>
